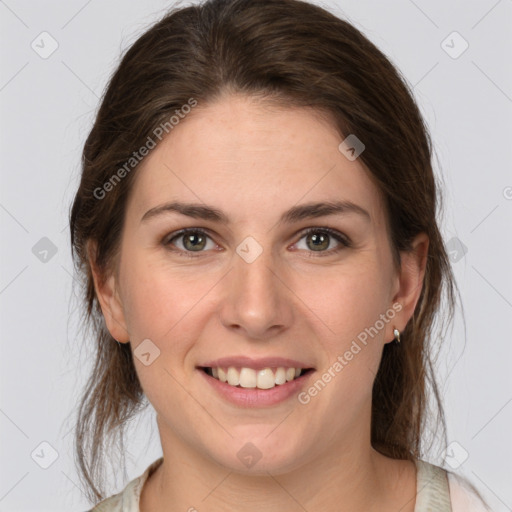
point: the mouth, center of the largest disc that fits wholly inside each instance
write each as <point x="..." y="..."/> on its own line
<point x="264" y="378"/>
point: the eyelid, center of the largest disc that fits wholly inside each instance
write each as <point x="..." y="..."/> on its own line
<point x="166" y="241"/>
<point x="340" y="237"/>
<point x="334" y="233"/>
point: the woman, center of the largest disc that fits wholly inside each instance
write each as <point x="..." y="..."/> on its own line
<point x="256" y="228"/>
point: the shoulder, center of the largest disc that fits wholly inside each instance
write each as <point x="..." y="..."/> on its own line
<point x="447" y="490"/>
<point x="128" y="499"/>
<point x="464" y="496"/>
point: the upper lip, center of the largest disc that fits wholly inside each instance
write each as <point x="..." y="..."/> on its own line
<point x="255" y="364"/>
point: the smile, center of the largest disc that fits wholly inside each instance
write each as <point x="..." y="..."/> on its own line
<point x="265" y="378"/>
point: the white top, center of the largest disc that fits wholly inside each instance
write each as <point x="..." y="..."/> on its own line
<point x="438" y="490"/>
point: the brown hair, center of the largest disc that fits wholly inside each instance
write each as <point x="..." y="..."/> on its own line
<point x="298" y="55"/>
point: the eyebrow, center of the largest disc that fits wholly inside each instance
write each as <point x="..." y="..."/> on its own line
<point x="294" y="214"/>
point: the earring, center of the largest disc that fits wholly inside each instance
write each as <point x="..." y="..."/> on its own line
<point x="396" y="333"/>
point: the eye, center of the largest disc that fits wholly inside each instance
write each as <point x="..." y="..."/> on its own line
<point x="319" y="239"/>
<point x="195" y="240"/>
<point x="189" y="241"/>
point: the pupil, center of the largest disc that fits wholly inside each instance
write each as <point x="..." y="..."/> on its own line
<point x="195" y="245"/>
<point x="318" y="240"/>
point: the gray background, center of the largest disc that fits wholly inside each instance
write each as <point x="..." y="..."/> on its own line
<point x="47" y="106"/>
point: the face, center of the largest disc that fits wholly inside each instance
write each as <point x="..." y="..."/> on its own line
<point x="258" y="281"/>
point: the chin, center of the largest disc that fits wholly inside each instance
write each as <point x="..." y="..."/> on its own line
<point x="259" y="456"/>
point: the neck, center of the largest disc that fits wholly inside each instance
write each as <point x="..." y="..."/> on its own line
<point x="351" y="476"/>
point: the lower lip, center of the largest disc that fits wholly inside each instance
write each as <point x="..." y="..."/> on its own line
<point x="254" y="397"/>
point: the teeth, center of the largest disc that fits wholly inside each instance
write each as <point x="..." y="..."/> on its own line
<point x="265" y="379"/>
<point x="233" y="377"/>
<point x="222" y="375"/>
<point x="280" y="376"/>
<point x="248" y="378"/>
<point x="261" y="379"/>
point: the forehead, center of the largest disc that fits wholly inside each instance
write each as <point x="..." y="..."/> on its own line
<point x="248" y="157"/>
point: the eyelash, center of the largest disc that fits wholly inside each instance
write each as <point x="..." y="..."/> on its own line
<point x="339" y="237"/>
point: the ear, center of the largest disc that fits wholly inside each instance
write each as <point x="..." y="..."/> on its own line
<point x="409" y="283"/>
<point x="108" y="297"/>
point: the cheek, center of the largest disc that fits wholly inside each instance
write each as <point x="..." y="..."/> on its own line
<point x="348" y="300"/>
<point x="350" y="305"/>
<point x="159" y="300"/>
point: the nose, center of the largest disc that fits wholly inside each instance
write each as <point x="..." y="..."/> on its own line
<point x="257" y="301"/>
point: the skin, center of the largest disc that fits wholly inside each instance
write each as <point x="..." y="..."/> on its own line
<point x="253" y="162"/>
